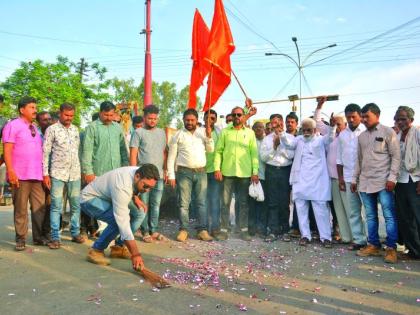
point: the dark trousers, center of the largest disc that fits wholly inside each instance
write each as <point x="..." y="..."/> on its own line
<point x="240" y="187"/>
<point x="258" y="215"/>
<point x="46" y="228"/>
<point x="278" y="198"/>
<point x="32" y="191"/>
<point x="407" y="203"/>
<point x="87" y="224"/>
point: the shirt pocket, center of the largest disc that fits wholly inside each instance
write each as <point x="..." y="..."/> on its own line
<point x="379" y="146"/>
<point x="317" y="148"/>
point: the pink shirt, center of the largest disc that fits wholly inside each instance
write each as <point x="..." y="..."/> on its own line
<point x="332" y="158"/>
<point x="27" y="150"/>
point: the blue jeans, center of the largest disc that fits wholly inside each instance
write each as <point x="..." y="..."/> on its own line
<point x="214" y="191"/>
<point x="190" y="182"/>
<point x="152" y="199"/>
<point x="136" y="220"/>
<point x="73" y="193"/>
<point x="370" y="201"/>
<point x="100" y="209"/>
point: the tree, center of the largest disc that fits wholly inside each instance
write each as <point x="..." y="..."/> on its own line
<point x="53" y="84"/>
<point x="171" y="102"/>
<point x="125" y="91"/>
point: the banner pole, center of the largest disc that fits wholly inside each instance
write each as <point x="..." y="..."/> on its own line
<point x="211" y="86"/>
<point x="240" y="85"/>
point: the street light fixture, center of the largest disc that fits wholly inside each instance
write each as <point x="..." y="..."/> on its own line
<point x="300" y="65"/>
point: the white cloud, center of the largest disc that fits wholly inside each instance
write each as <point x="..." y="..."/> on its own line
<point x="384" y="86"/>
<point x="301" y="7"/>
<point x="161" y="3"/>
<point x="319" y="20"/>
<point x="341" y="20"/>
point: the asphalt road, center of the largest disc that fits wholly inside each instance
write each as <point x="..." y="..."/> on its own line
<point x="232" y="277"/>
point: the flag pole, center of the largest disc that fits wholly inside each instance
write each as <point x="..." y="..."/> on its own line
<point x="211" y="86"/>
<point x="240" y="85"/>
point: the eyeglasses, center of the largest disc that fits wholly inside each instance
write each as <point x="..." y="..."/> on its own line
<point x="307" y="130"/>
<point x="236" y="115"/>
<point x="33" y="131"/>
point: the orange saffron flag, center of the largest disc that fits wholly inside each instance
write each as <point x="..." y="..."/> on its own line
<point x="200" y="39"/>
<point x="218" y="56"/>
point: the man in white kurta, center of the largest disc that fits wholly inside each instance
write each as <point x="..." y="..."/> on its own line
<point x="310" y="180"/>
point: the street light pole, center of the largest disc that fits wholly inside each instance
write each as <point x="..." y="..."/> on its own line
<point x="300" y="65"/>
<point x="294" y="39"/>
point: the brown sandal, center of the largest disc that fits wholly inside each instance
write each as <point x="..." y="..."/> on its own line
<point x="147" y="238"/>
<point x="20" y="246"/>
<point x="54" y="245"/>
<point x="79" y="239"/>
<point x="158" y="237"/>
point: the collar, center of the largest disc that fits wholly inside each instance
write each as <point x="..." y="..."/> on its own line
<point x="231" y="126"/>
<point x="377" y="127"/>
<point x="26" y="123"/>
<point x="64" y="127"/>
<point x="189" y="132"/>
<point x="361" y="127"/>
<point x="99" y="122"/>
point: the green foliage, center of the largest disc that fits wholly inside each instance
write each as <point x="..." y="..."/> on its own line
<point x="53" y="84"/>
<point x="171" y="102"/>
<point x="125" y="91"/>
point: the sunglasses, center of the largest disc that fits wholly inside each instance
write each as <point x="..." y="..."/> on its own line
<point x="236" y="115"/>
<point x="33" y="130"/>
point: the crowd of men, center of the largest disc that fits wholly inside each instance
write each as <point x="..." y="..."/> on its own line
<point x="324" y="172"/>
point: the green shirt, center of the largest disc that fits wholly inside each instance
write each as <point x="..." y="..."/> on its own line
<point x="104" y="148"/>
<point x="236" y="152"/>
<point x="210" y="155"/>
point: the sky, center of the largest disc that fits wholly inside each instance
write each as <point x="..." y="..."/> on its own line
<point x="377" y="57"/>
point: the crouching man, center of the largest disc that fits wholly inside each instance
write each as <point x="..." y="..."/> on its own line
<point x="109" y="198"/>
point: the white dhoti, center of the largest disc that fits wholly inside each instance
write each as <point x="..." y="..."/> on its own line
<point x="322" y="217"/>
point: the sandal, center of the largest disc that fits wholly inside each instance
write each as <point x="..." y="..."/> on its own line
<point x="54" y="245"/>
<point x="41" y="242"/>
<point x="158" y="237"/>
<point x="20" y="246"/>
<point x="270" y="238"/>
<point x="79" y="239"/>
<point x="147" y="238"/>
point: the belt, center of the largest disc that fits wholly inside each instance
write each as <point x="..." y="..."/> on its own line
<point x="277" y="167"/>
<point x="195" y="170"/>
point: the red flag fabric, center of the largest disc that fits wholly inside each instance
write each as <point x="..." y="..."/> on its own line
<point x="218" y="56"/>
<point x="200" y="39"/>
